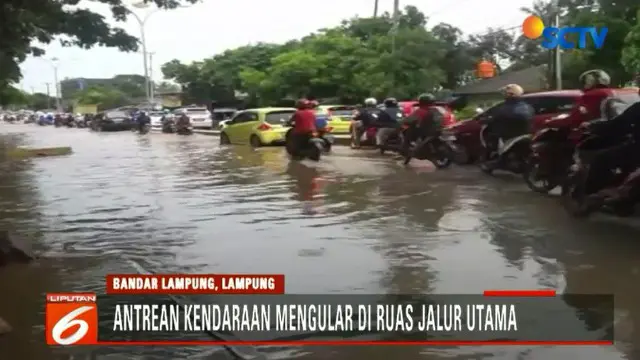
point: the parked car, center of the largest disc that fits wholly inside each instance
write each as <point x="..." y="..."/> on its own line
<point x="221" y="115"/>
<point x="257" y="127"/>
<point x="548" y="106"/>
<point x="339" y="117"/>
<point x="156" y="119"/>
<point x="117" y="120"/>
<point x="199" y="116"/>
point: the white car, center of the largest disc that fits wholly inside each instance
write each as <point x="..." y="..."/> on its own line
<point x="156" y="119"/>
<point x="200" y="117"/>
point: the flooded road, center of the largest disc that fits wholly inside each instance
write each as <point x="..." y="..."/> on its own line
<point x="354" y="223"/>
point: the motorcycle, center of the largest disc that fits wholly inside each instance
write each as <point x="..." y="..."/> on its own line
<point x="186" y="130"/>
<point x="184" y="126"/>
<point x="551" y="156"/>
<point x="320" y="143"/>
<point x="510" y="155"/>
<point x="323" y="134"/>
<point x="580" y="190"/>
<point x="433" y="148"/>
<point x="144" y="129"/>
<point x="313" y="149"/>
<point x="168" y="126"/>
<point x="394" y="141"/>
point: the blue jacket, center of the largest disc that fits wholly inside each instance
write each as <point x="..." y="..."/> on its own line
<point x="321" y="121"/>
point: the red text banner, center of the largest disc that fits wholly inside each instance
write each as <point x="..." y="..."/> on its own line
<point x="183" y="284"/>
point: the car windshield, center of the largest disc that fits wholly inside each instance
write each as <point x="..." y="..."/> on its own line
<point x="628" y="98"/>
<point x="278" y="117"/>
<point x="197" y="110"/>
<point x="219" y="116"/>
<point x="619" y="103"/>
<point x="551" y="104"/>
<point x="341" y="111"/>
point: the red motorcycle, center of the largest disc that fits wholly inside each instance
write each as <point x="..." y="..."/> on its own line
<point x="552" y="147"/>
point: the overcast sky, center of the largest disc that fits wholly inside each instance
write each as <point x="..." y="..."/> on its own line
<point x="210" y="27"/>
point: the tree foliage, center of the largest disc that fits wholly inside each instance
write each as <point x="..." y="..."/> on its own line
<point x="355" y="60"/>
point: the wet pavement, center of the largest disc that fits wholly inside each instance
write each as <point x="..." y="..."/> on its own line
<point x="354" y="223"/>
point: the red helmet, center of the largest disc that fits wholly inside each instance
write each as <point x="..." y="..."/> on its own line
<point x="302" y="104"/>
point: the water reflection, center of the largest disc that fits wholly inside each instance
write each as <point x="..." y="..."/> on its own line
<point x="308" y="185"/>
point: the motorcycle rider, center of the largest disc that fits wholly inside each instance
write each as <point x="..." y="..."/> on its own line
<point x="304" y="124"/>
<point x="142" y="118"/>
<point x="511" y="120"/>
<point x="423" y="123"/>
<point x="619" y="155"/>
<point x="322" y="120"/>
<point x="183" y="122"/>
<point x="596" y="86"/>
<point x="363" y="119"/>
<point x="388" y="120"/>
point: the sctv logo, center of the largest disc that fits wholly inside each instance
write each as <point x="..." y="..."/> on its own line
<point x="533" y="28"/>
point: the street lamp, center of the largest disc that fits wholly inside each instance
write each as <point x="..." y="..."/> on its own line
<point x="54" y="63"/>
<point x="143" y="42"/>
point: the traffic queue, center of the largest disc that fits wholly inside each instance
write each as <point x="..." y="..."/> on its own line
<point x="583" y="141"/>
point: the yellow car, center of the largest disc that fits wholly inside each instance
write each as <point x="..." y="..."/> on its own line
<point x="339" y="117"/>
<point x="257" y="127"/>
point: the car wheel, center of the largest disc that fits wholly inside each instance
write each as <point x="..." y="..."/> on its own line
<point x="224" y="139"/>
<point x="255" y="142"/>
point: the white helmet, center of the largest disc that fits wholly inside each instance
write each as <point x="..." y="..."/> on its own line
<point x="592" y="78"/>
<point x="512" y="90"/>
<point x="371" y="101"/>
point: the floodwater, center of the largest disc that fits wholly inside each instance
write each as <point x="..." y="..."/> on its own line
<point x="354" y="223"/>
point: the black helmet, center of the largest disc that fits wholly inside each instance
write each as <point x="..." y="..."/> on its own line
<point x="391" y="102"/>
<point x="426" y="99"/>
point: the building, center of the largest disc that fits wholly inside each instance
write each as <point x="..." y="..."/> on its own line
<point x="533" y="79"/>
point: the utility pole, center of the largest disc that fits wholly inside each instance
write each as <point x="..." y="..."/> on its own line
<point x="152" y="87"/>
<point x="56" y="84"/>
<point x="58" y="92"/>
<point x="558" y="55"/>
<point x="394" y="29"/>
<point x="375" y="8"/>
<point x="48" y="97"/>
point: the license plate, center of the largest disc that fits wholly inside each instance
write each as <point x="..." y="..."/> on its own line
<point x="198" y="119"/>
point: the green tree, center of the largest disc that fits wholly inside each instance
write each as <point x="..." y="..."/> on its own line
<point x="104" y="97"/>
<point x="13" y="96"/>
<point x="631" y="50"/>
